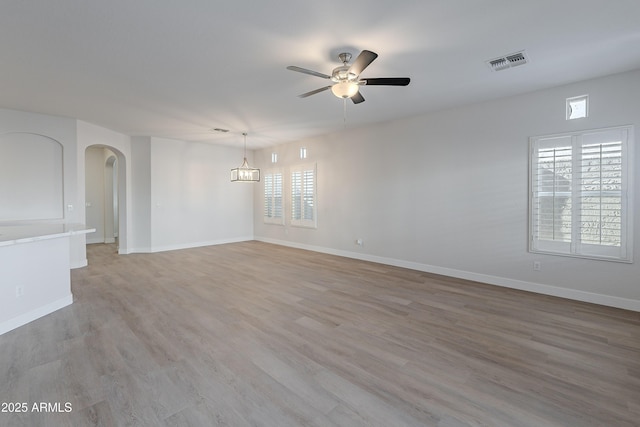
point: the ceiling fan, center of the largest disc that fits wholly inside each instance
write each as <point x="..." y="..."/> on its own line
<point x="346" y="78"/>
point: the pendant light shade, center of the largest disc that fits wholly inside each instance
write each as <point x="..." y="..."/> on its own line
<point x="245" y="173"/>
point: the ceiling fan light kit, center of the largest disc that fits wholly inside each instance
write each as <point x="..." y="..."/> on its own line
<point x="346" y="78"/>
<point x="344" y="89"/>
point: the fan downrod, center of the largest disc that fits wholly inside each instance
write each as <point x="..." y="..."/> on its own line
<point x="345" y="57"/>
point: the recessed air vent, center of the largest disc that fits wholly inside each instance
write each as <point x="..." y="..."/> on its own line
<point x="508" y="61"/>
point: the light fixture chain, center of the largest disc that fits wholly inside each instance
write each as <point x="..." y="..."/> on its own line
<point x="344" y="112"/>
<point x="244" y="134"/>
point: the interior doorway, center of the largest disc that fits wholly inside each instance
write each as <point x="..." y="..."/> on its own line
<point x="103" y="195"/>
<point x="111" y="200"/>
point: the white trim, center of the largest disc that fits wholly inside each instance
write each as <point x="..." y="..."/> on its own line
<point x="80" y="264"/>
<point x="572" y="294"/>
<point x="577" y="141"/>
<point x="198" y="244"/>
<point x="35" y="314"/>
<point x="274" y="220"/>
<point x="123" y="251"/>
<point x="302" y="169"/>
<point x="577" y="98"/>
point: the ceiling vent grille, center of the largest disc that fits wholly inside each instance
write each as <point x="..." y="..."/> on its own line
<point x="508" y="61"/>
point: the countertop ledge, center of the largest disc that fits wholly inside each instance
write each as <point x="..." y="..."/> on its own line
<point x="15" y="234"/>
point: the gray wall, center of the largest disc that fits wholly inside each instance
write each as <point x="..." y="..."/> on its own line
<point x="447" y="192"/>
<point x="193" y="202"/>
<point x="63" y="131"/>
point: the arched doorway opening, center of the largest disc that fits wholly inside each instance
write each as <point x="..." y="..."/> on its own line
<point x="104" y="194"/>
<point x="111" y="200"/>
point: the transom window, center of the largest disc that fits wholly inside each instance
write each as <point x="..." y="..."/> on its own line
<point x="577" y="107"/>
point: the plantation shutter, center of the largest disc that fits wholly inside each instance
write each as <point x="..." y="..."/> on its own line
<point x="303" y="196"/>
<point x="268" y="195"/>
<point x="273" y="200"/>
<point x="551" y="207"/>
<point x="579" y="194"/>
<point x="603" y="194"/>
<point x="278" y="208"/>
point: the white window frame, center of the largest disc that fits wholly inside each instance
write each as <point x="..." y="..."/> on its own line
<point x="301" y="196"/>
<point x="269" y="211"/>
<point x="568" y="189"/>
<point x="569" y="108"/>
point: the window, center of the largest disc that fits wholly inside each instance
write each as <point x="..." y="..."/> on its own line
<point x="580" y="194"/>
<point x="303" y="196"/>
<point x="577" y="107"/>
<point x="273" y="200"/>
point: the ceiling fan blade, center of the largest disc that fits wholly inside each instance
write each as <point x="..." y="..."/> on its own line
<point x="386" y="81"/>
<point x="313" y="92"/>
<point x="357" y="98"/>
<point x="304" y="70"/>
<point x="363" y="60"/>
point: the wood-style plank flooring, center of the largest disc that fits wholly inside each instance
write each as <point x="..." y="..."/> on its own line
<point x="254" y="334"/>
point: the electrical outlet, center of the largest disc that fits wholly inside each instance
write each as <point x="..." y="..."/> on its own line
<point x="359" y="242"/>
<point x="537" y="265"/>
<point x="19" y="291"/>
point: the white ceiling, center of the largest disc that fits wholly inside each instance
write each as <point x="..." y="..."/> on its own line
<point x="176" y="69"/>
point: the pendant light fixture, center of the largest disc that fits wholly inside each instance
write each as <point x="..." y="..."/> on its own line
<point x="245" y="173"/>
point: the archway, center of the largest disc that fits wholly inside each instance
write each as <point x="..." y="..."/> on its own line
<point x="31" y="167"/>
<point x="111" y="200"/>
<point x="105" y="189"/>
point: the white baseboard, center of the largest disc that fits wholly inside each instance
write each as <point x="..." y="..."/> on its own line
<point x="165" y="248"/>
<point x="573" y="294"/>
<point x="80" y="264"/>
<point x="32" y="315"/>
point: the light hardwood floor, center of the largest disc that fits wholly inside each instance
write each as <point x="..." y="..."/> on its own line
<point x="253" y="334"/>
